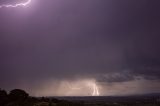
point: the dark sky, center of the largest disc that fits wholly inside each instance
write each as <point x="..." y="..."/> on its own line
<point x="114" y="42"/>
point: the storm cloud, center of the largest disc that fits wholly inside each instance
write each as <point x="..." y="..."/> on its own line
<point x="111" y="41"/>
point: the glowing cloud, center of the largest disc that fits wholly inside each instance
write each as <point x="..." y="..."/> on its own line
<point x="83" y="85"/>
<point x="16" y="5"/>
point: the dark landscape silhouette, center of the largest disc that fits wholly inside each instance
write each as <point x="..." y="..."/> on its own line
<point x="18" y="97"/>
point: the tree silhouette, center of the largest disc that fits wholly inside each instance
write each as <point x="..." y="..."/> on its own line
<point x="3" y="97"/>
<point x="18" y="95"/>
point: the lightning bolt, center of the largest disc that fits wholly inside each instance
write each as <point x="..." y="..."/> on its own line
<point x="92" y="85"/>
<point x="95" y="90"/>
<point x="16" y="5"/>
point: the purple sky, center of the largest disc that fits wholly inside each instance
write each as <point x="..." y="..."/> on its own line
<point x="114" y="42"/>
